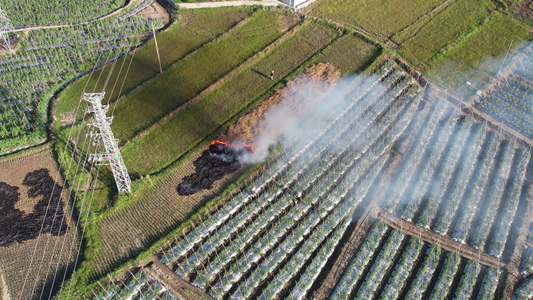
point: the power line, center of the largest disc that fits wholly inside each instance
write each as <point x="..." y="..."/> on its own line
<point x="5" y="27"/>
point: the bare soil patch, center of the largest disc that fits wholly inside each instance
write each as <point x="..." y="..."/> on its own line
<point x="250" y="125"/>
<point x="522" y="9"/>
<point x="155" y="11"/>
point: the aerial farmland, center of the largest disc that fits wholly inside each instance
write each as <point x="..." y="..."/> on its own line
<point x="265" y="149"/>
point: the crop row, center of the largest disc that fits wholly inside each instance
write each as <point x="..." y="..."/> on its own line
<point x="293" y="156"/>
<point x="494" y="197"/>
<point x="450" y="154"/>
<point x="509" y="204"/>
<point x="468" y="280"/>
<point x="423" y="276"/>
<point x="442" y="287"/>
<point x="489" y="284"/>
<point x="28" y="13"/>
<point x="430" y="168"/>
<point x="335" y="194"/>
<point x="512" y="103"/>
<point x="237" y="246"/>
<point x="139" y="285"/>
<point x="515" y="118"/>
<point x="359" y="263"/>
<point x="526" y="267"/>
<point x="443" y="179"/>
<point x="403" y="268"/>
<point x="463" y="173"/>
<point x="479" y="183"/>
<point x="411" y="163"/>
<point x="524" y="291"/>
<point x="34" y="72"/>
<point x="383" y="264"/>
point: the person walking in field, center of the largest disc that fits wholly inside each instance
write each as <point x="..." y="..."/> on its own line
<point x="272" y="75"/>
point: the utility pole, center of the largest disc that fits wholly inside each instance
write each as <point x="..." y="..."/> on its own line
<point x="157" y="49"/>
<point x="5" y="27"/>
<point x="103" y="134"/>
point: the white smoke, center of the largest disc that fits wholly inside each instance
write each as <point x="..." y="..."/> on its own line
<point x="287" y="123"/>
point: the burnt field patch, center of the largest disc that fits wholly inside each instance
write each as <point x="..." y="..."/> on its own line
<point x="47" y="214"/>
<point x="214" y="163"/>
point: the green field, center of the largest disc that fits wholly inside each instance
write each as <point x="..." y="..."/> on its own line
<point x="175" y="136"/>
<point x="184" y="81"/>
<point x="350" y="53"/>
<point x="382" y="17"/>
<point x="191" y="31"/>
<point x="478" y="56"/>
<point x="420" y="44"/>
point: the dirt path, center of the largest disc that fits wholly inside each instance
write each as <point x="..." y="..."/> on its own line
<point x="346" y="254"/>
<point x="496" y="124"/>
<point x="443" y="241"/>
<point x="179" y="287"/>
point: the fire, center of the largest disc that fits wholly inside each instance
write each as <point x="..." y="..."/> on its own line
<point x="249" y="146"/>
<point x="215" y="142"/>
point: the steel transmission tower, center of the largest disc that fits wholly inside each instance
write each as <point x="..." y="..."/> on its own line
<point x="104" y="135"/>
<point x="5" y="27"/>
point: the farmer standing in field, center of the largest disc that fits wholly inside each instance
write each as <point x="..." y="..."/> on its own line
<point x="272" y="75"/>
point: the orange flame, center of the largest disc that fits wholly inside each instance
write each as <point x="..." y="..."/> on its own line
<point x="215" y="142"/>
<point x="249" y="146"/>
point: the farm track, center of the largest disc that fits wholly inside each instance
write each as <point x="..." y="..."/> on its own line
<point x="443" y="241"/>
<point x="346" y="253"/>
<point x="179" y="287"/>
<point x="228" y="3"/>
<point x="468" y="108"/>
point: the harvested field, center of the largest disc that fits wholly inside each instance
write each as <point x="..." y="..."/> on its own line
<point x="26" y="184"/>
<point x="350" y="53"/>
<point x="155" y="11"/>
<point x="250" y="125"/>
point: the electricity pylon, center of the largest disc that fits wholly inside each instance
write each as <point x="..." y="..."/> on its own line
<point x="5" y="27"/>
<point x="103" y="134"/>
